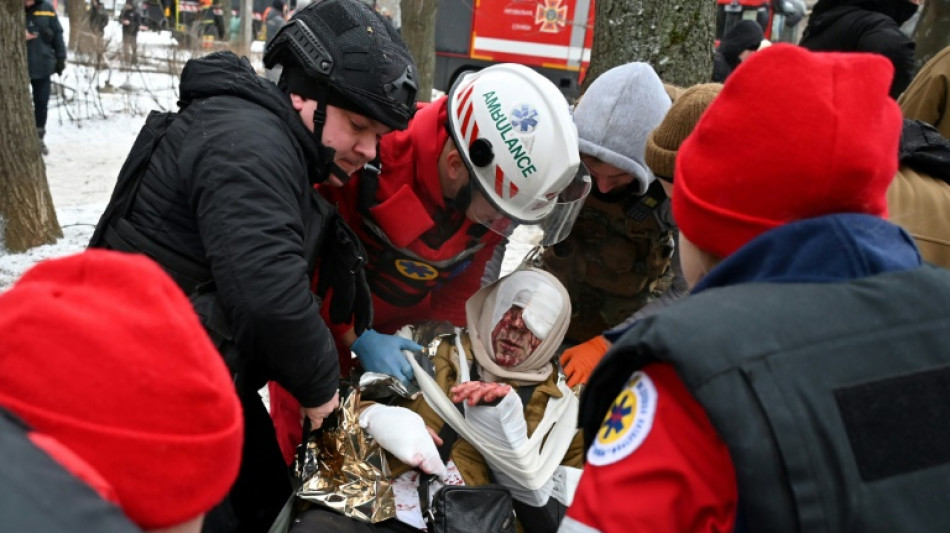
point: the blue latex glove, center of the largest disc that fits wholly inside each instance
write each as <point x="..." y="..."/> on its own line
<point x="382" y="353"/>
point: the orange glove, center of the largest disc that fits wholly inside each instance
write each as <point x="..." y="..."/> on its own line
<point x="579" y="361"/>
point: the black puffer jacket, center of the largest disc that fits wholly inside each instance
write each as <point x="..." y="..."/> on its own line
<point x="42" y="52"/>
<point x="865" y="26"/>
<point x="229" y="184"/>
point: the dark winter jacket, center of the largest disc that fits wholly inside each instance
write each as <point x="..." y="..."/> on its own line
<point x="130" y="15"/>
<point x="38" y="494"/>
<point x="42" y="52"/>
<point x="745" y="35"/>
<point x="865" y="26"/>
<point x="231" y="186"/>
<point x="275" y="21"/>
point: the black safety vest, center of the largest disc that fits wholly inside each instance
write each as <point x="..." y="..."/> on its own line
<point x="834" y="400"/>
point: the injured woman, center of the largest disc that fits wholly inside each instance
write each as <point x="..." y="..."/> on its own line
<point x="494" y="409"/>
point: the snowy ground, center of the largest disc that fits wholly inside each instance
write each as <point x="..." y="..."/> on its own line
<point x="92" y="124"/>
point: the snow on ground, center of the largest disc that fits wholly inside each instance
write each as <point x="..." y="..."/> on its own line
<point x="92" y="124"/>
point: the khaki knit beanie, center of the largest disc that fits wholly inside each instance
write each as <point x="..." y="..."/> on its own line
<point x="664" y="141"/>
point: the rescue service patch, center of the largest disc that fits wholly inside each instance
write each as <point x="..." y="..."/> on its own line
<point x="416" y="270"/>
<point x="628" y="422"/>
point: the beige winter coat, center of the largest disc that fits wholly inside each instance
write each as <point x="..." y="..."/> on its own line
<point x="921" y="205"/>
<point x="926" y="98"/>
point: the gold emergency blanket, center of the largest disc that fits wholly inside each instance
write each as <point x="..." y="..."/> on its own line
<point x="345" y="469"/>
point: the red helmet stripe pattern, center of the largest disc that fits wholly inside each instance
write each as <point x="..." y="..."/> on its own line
<point x="466" y="108"/>
<point x="500" y="183"/>
<point x="466" y="94"/>
<point x="468" y="116"/>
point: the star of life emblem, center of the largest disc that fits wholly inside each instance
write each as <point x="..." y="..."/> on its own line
<point x="524" y="118"/>
<point x="628" y="422"/>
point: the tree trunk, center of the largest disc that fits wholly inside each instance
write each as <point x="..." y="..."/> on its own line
<point x="76" y="11"/>
<point x="932" y="34"/>
<point x="418" y="30"/>
<point x="674" y="36"/>
<point x="26" y="207"/>
<point x="242" y="45"/>
<point x="226" y="14"/>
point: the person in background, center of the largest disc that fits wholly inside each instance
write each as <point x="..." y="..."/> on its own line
<point x="120" y="414"/>
<point x="794" y="389"/>
<point x="492" y="386"/>
<point x="45" y="55"/>
<point x="131" y="20"/>
<point x="226" y="203"/>
<point x="97" y="19"/>
<point x="660" y="155"/>
<point x="865" y="26"/>
<point x="740" y="42"/>
<point x="617" y="257"/>
<point x="920" y="193"/>
<point x="927" y="98"/>
<point x="276" y="17"/>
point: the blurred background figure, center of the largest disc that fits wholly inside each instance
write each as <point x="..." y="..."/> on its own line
<point x="131" y="20"/>
<point x="928" y="96"/>
<point x="45" y="55"/>
<point x="740" y="42"/>
<point x="865" y="26"/>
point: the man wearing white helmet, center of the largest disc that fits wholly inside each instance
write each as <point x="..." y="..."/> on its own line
<point x="495" y="152"/>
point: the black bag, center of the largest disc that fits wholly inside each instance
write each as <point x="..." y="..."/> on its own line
<point x="464" y="509"/>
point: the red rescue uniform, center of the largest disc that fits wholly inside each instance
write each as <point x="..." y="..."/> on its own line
<point x="657" y="443"/>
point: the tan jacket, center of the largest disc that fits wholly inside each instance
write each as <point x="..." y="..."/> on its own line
<point x="921" y="205"/>
<point x="926" y="98"/>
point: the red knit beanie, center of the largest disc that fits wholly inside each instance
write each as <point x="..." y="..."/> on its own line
<point x="103" y="352"/>
<point x="793" y="135"/>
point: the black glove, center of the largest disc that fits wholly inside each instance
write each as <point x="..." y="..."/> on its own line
<point x="341" y="266"/>
<point x="60" y="65"/>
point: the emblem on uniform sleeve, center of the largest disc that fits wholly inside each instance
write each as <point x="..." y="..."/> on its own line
<point x="416" y="270"/>
<point x="628" y="422"/>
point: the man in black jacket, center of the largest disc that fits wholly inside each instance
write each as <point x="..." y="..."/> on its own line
<point x="45" y="54"/>
<point x="741" y="41"/>
<point x="130" y="20"/>
<point x="226" y="204"/>
<point x="865" y="26"/>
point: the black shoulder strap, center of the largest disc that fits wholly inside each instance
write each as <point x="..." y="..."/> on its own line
<point x="130" y="176"/>
<point x="369" y="184"/>
<point x="114" y="230"/>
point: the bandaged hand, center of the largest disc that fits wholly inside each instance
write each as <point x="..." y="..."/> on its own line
<point x="404" y="434"/>
<point x="475" y="392"/>
<point x="579" y="361"/>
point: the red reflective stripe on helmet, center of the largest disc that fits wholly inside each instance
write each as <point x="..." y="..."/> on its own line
<point x="468" y="116"/>
<point x="466" y="94"/>
<point x="513" y="189"/>
<point x="499" y="181"/>
<point x="474" y="130"/>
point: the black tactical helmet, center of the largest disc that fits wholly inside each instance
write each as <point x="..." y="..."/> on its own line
<point x="347" y="45"/>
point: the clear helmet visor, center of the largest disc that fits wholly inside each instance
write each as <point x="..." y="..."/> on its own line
<point x="552" y="229"/>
